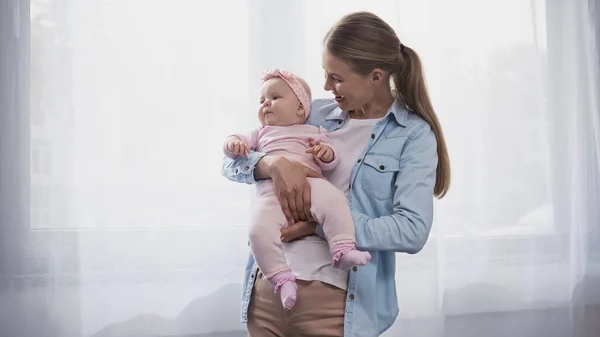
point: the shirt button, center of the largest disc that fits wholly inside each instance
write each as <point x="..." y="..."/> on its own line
<point x="339" y="122"/>
<point x="247" y="168"/>
<point x="381" y="167"/>
<point x="358" y="161"/>
<point x="351" y="297"/>
<point x="353" y="268"/>
<point x="237" y="171"/>
<point x="372" y="136"/>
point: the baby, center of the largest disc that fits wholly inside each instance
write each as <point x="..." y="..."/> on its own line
<point x="285" y="105"/>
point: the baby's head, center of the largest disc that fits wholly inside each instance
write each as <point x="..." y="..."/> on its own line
<point x="284" y="99"/>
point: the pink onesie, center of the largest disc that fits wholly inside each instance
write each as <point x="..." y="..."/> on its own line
<point x="328" y="204"/>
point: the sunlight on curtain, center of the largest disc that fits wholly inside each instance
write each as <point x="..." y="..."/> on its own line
<point x="131" y="220"/>
<point x="130" y="101"/>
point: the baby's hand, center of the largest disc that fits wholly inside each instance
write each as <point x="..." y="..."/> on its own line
<point x="321" y="151"/>
<point x="238" y="147"/>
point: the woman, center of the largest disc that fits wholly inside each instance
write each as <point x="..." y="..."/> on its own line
<point x="393" y="160"/>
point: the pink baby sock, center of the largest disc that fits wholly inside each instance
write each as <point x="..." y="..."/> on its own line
<point x="345" y="256"/>
<point x="284" y="283"/>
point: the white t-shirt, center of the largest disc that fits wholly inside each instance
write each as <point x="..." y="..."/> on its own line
<point x="309" y="257"/>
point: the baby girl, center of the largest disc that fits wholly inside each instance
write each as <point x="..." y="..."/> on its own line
<point x="285" y="105"/>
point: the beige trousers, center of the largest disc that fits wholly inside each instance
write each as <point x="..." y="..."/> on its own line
<point x="319" y="311"/>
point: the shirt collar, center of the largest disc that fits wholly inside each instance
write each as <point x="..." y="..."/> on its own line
<point x="398" y="110"/>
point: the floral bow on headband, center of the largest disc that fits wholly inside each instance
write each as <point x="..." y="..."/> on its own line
<point x="293" y="82"/>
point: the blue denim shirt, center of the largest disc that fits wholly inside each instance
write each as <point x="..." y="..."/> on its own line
<point x="391" y="198"/>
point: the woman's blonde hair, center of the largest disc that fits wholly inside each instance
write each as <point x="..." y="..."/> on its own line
<point x="365" y="42"/>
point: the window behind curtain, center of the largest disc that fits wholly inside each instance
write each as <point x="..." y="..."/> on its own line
<point x="130" y="103"/>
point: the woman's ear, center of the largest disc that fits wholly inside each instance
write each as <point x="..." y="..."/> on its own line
<point x="376" y="77"/>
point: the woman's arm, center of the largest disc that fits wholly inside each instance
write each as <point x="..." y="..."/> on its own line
<point x="289" y="180"/>
<point x="407" y="229"/>
<point x="299" y="230"/>
<point x="261" y="171"/>
<point x="242" y="170"/>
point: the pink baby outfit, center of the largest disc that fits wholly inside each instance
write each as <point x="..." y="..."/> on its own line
<point x="329" y="206"/>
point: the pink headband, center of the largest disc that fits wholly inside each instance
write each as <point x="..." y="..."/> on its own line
<point x="293" y="82"/>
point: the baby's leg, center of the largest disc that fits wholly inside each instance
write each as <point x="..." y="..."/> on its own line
<point x="266" y="245"/>
<point x="330" y="208"/>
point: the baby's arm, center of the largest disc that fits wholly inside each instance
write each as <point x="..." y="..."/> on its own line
<point x="239" y="144"/>
<point x="324" y="152"/>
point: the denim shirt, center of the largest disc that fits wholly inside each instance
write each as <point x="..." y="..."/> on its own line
<point x="391" y="198"/>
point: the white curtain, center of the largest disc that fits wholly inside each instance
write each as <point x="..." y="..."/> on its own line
<point x="117" y="222"/>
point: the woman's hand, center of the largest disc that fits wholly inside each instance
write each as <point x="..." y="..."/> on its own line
<point x="298" y="230"/>
<point x="292" y="188"/>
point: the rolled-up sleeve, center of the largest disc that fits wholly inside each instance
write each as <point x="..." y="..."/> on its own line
<point x="240" y="169"/>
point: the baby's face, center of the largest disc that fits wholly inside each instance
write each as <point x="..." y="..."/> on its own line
<point x="279" y="105"/>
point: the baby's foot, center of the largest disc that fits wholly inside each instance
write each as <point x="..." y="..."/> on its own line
<point x="288" y="294"/>
<point x="352" y="258"/>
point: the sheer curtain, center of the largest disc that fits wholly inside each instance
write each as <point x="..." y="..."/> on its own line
<point x="115" y="220"/>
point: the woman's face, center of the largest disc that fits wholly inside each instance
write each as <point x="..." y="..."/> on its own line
<point x="351" y="90"/>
